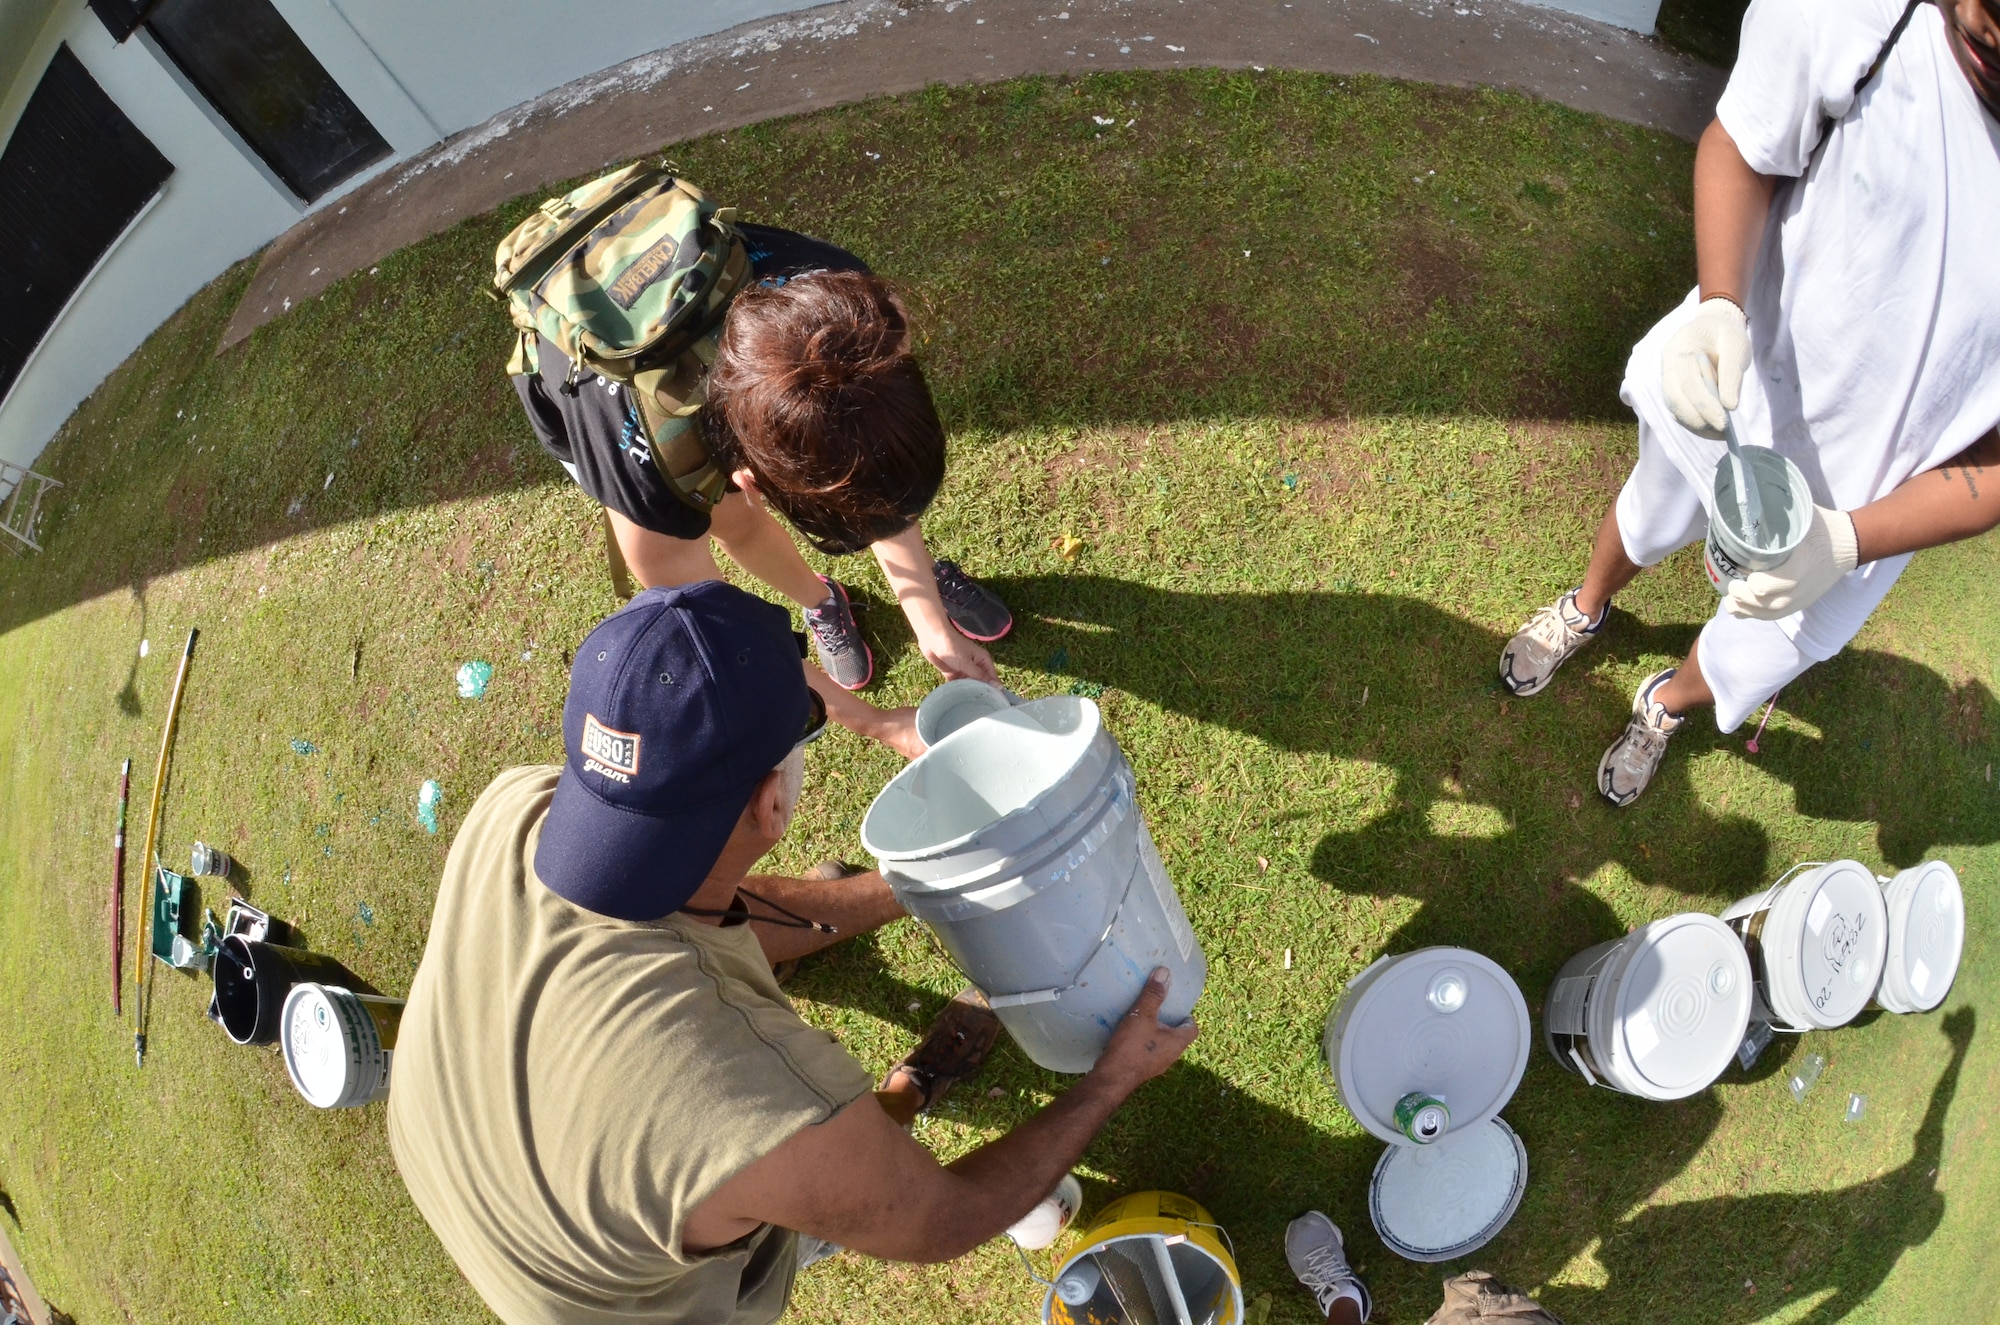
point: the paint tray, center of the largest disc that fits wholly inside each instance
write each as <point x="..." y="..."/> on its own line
<point x="168" y="942"/>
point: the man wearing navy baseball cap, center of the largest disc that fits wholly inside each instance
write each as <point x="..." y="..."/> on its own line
<point x="603" y="1103"/>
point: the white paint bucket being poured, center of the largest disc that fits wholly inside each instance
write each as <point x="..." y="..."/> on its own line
<point x="1816" y="941"/>
<point x="1443" y="1024"/>
<point x="1018" y="840"/>
<point x="1656" y="1014"/>
<point x="1926" y="937"/>
<point x="338" y="1044"/>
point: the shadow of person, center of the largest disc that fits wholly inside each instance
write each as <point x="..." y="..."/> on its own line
<point x="128" y="695"/>
<point x="1913" y="762"/>
<point x="1837" y="1245"/>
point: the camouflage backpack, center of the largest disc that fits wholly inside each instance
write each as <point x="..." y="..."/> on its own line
<point x="630" y="276"/>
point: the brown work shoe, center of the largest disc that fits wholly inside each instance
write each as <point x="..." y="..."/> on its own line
<point x="953" y="1049"/>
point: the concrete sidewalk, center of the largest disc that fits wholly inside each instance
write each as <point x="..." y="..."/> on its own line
<point x="859" y="49"/>
<point x="38" y="1310"/>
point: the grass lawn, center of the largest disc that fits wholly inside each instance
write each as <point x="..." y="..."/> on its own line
<point x="1323" y="372"/>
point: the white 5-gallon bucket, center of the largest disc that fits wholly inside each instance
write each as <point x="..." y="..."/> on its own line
<point x="1926" y="937"/>
<point x="1655" y="1014"/>
<point x="338" y="1044"/>
<point x="1444" y="1024"/>
<point x="1017" y="839"/>
<point x="1816" y="942"/>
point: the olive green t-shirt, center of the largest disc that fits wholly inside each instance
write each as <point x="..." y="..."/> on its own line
<point x="567" y="1087"/>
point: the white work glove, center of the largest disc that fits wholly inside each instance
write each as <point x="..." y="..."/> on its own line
<point x="1701" y="370"/>
<point x="1828" y="552"/>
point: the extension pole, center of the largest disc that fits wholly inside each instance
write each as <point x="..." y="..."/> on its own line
<point x="118" y="894"/>
<point x="142" y="984"/>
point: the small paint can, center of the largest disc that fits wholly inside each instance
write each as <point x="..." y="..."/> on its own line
<point x="209" y="862"/>
<point x="339" y="1044"/>
<point x="1421" y="1117"/>
<point x="1041" y="1226"/>
<point x="1730" y="552"/>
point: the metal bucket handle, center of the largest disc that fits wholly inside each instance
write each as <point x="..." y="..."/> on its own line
<point x="1764" y="904"/>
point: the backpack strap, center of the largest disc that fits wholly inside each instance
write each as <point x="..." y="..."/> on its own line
<point x="576" y="224"/>
<point x="1881" y="57"/>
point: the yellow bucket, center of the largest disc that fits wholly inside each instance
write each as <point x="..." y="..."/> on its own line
<point x="1148" y="1256"/>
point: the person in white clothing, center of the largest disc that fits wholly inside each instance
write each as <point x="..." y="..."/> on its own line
<point x="1847" y="242"/>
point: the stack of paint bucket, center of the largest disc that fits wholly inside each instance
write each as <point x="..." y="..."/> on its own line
<point x="1659" y="1013"/>
<point x="1018" y="839"/>
<point x="1425" y="1049"/>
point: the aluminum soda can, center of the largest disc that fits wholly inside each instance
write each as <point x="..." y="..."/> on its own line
<point x="1422" y="1118"/>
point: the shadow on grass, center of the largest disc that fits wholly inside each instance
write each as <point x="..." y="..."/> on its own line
<point x="1397" y="682"/>
<point x="1842" y="1242"/>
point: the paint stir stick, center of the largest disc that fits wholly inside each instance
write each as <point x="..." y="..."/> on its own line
<point x="1749" y="501"/>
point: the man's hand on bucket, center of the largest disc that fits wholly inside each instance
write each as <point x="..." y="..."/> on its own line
<point x="1143" y="1046"/>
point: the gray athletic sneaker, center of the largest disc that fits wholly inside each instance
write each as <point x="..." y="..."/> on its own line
<point x="843" y="654"/>
<point x="1552" y="634"/>
<point x="1634" y="757"/>
<point x="1314" y="1250"/>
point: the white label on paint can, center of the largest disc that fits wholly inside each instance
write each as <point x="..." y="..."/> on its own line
<point x="1639" y="1033"/>
<point x="1163" y="887"/>
<point x="1920" y="978"/>
<point x="1567" y="1002"/>
<point x="1816" y="914"/>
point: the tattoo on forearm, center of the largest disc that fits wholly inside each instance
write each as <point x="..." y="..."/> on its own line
<point x="1965" y="472"/>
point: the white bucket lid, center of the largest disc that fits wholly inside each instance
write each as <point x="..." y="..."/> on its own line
<point x="1823" y="944"/>
<point x="1926" y="937"/>
<point x="1444" y="1021"/>
<point x="1681" y="1006"/>
<point x="332" y="1051"/>
<point x="1445" y="1200"/>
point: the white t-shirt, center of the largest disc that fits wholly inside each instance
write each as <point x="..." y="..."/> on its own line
<point x="1875" y="305"/>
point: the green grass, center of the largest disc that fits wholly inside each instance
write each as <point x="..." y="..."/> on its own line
<point x="1317" y="484"/>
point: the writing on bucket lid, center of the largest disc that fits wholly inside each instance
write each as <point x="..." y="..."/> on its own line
<point x="1445" y="1022"/>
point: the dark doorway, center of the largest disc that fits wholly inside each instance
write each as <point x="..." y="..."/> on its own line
<point x="73" y="176"/>
<point x="260" y="77"/>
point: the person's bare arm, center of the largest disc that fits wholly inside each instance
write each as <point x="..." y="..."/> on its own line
<point x="906" y="563"/>
<point x="1731" y="201"/>
<point x="861" y="1181"/>
<point x="853" y="905"/>
<point x="1959" y="499"/>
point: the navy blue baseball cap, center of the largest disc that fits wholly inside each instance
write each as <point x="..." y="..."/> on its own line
<point x="680" y="703"/>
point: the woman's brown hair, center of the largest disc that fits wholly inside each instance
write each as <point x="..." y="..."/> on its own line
<point x="815" y="392"/>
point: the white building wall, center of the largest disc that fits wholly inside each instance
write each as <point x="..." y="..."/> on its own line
<point x="464" y="62"/>
<point x="420" y="72"/>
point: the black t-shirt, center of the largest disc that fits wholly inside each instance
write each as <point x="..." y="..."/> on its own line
<point x="596" y="433"/>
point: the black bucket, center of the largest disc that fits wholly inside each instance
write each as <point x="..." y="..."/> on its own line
<point x="252" y="980"/>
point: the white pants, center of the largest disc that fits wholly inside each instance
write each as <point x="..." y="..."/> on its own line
<point x="1746" y="661"/>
